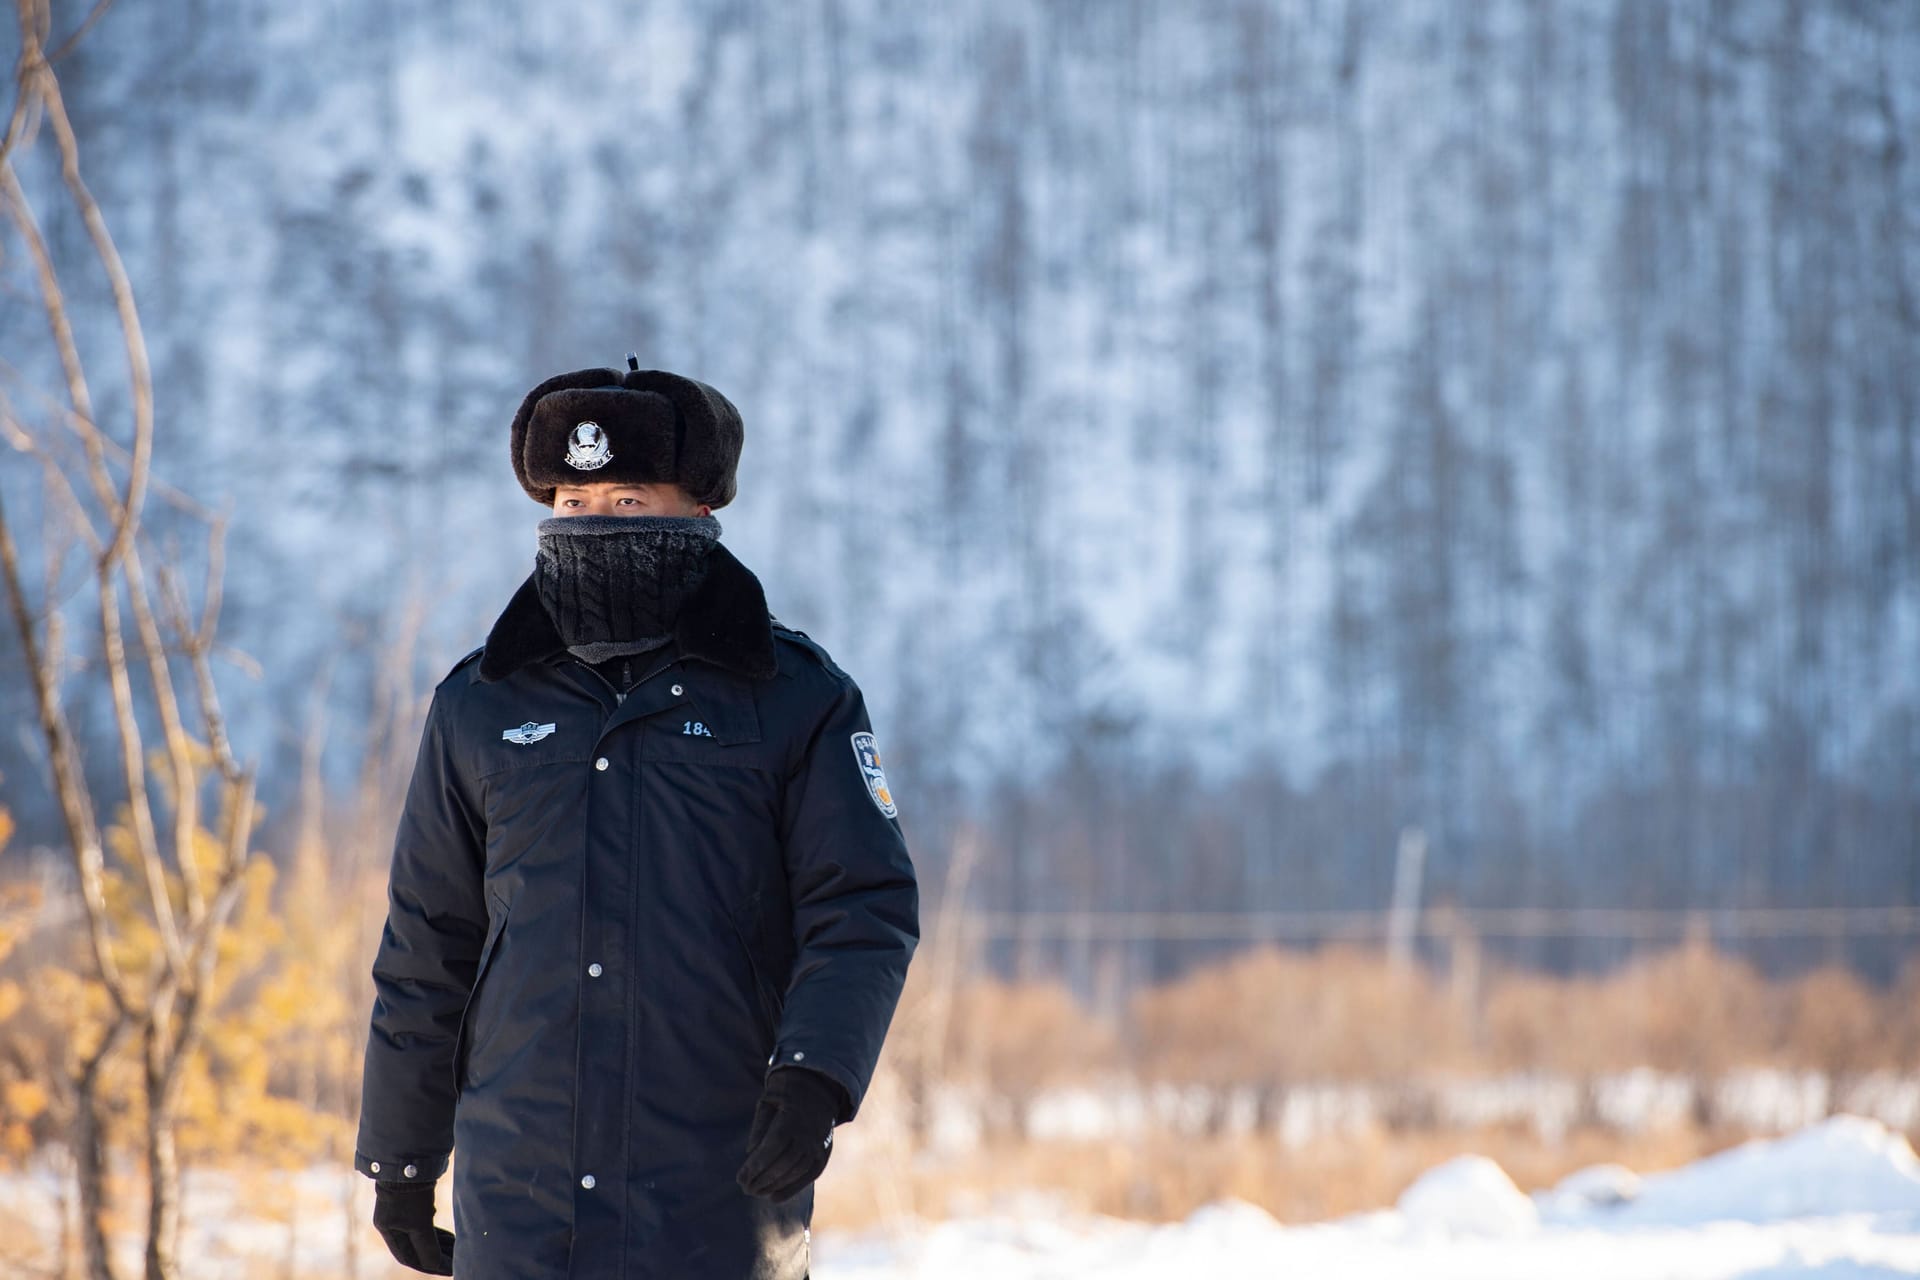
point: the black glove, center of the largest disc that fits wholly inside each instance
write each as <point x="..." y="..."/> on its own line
<point x="792" y="1134"/>
<point x="403" y="1213"/>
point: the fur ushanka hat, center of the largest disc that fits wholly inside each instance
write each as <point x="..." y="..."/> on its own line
<point x="643" y="426"/>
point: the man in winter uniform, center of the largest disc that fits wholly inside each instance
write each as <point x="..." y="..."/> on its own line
<point x="650" y="906"/>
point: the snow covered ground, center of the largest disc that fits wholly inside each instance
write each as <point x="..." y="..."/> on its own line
<point x="1838" y="1200"/>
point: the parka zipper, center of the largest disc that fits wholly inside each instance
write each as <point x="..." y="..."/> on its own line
<point x="619" y="695"/>
<point x="626" y="677"/>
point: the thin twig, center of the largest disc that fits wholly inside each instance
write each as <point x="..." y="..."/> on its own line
<point x="134" y="768"/>
<point x="76" y="807"/>
<point x="139" y="372"/>
<point x="66" y="46"/>
<point x="53" y="302"/>
<point x="179" y="499"/>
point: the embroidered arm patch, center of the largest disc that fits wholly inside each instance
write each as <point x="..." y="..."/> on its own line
<point x="867" y="752"/>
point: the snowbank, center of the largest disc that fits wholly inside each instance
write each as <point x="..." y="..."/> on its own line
<point x="1837" y="1201"/>
<point x="1845" y="1165"/>
<point x="1470" y="1195"/>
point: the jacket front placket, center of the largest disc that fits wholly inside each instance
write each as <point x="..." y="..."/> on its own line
<point x="609" y="1006"/>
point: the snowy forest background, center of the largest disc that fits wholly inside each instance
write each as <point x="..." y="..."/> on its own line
<point x="1218" y="437"/>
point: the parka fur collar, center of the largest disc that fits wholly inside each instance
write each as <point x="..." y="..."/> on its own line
<point x="725" y="621"/>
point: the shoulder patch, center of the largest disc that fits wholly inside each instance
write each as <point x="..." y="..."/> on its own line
<point x="801" y="640"/>
<point x="867" y="753"/>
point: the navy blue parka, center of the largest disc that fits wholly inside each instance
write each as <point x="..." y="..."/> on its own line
<point x="610" y="915"/>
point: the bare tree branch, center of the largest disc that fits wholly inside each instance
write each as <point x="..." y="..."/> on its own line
<point x="70" y="791"/>
<point x="169" y="1010"/>
<point x="140" y="375"/>
<point x="53" y="302"/>
<point x="176" y="498"/>
<point x="67" y="46"/>
<point x="134" y="768"/>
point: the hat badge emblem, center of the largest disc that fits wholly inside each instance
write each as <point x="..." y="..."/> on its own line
<point x="587" y="447"/>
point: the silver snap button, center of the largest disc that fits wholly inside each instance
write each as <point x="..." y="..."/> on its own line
<point x="594" y="969"/>
<point x="677" y="691"/>
<point x="587" y="1181"/>
<point x="601" y="763"/>
<point x="411" y="1170"/>
<point x="798" y="1054"/>
<point x="375" y="1166"/>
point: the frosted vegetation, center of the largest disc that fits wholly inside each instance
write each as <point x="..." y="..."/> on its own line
<point x="1222" y="434"/>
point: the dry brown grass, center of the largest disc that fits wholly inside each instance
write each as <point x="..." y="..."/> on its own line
<point x="1271" y="1015"/>
<point x="1271" y="1019"/>
<point x="1830" y="1021"/>
<point x="1016" y="1038"/>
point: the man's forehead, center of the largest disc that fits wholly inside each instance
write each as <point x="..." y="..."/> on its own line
<point x="597" y="486"/>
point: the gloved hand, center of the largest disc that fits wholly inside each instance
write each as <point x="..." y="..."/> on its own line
<point x="792" y="1135"/>
<point x="403" y="1213"/>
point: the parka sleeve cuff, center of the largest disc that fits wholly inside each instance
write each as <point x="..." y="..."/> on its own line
<point x="788" y="1055"/>
<point x="400" y="1168"/>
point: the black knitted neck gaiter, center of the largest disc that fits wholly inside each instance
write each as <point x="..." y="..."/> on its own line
<point x="615" y="584"/>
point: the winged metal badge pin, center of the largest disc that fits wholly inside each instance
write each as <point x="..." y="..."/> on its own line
<point x="528" y="732"/>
